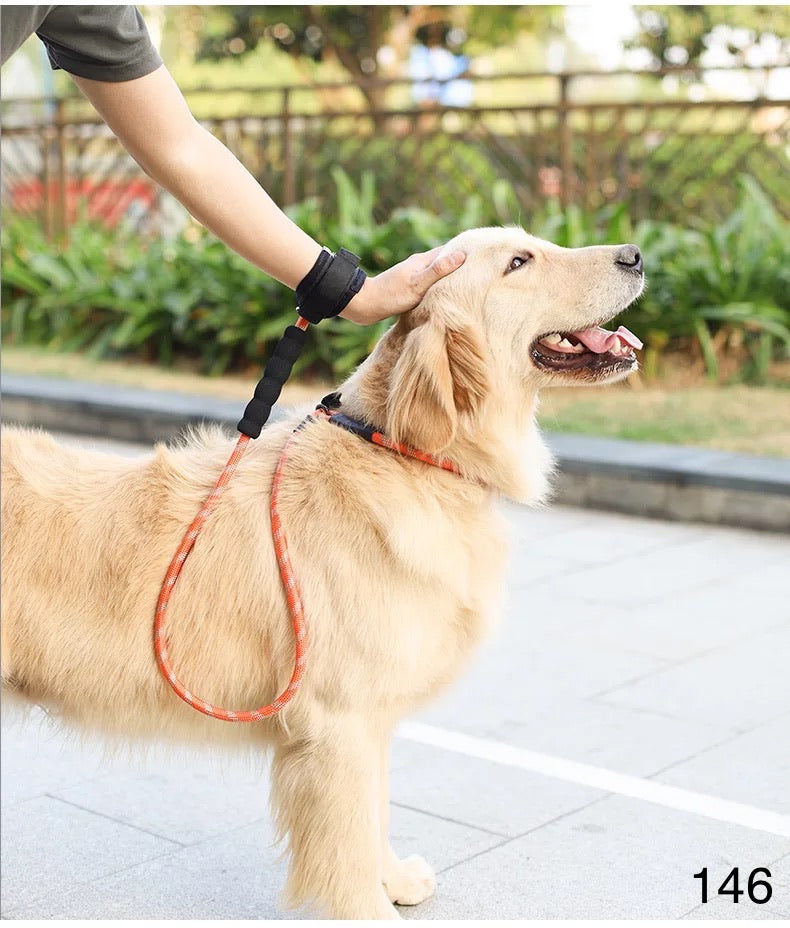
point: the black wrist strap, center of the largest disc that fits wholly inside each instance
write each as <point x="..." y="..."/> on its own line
<point x="329" y="286"/>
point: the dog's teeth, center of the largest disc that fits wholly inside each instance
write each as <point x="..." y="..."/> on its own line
<point x="554" y="339"/>
<point x="565" y="343"/>
<point x="617" y="346"/>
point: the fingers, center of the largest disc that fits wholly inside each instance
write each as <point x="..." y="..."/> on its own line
<point x="426" y="257"/>
<point x="402" y="287"/>
<point x="437" y="269"/>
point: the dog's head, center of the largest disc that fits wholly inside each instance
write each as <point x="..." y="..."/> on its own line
<point x="520" y="314"/>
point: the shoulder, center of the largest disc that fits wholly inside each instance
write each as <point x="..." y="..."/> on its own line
<point x="105" y="43"/>
<point x="18" y="23"/>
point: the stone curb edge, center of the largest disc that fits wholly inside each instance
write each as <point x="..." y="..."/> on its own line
<point x="644" y="478"/>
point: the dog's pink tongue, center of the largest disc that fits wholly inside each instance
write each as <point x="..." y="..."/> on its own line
<point x="602" y="340"/>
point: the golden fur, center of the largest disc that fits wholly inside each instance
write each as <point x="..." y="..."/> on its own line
<point x="400" y="564"/>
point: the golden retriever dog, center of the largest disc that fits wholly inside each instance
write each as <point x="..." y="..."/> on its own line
<point x="400" y="563"/>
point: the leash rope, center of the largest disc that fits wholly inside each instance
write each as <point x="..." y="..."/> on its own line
<point x="255" y="412"/>
<point x="286" y="573"/>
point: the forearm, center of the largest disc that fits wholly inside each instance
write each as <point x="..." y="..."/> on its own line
<point x="201" y="173"/>
<point x="221" y="194"/>
<point x="151" y="118"/>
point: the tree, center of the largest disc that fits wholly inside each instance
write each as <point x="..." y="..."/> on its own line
<point x="679" y="35"/>
<point x="368" y="42"/>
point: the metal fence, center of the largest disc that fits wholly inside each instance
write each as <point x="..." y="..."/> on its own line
<point x="585" y="138"/>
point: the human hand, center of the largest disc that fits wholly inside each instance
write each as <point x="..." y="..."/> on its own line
<point x="401" y="288"/>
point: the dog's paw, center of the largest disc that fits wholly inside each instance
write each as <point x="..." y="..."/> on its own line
<point x="410" y="881"/>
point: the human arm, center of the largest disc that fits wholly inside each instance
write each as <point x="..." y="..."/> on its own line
<point x="153" y="122"/>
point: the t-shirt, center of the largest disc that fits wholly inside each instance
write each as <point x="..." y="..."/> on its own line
<point x="102" y="43"/>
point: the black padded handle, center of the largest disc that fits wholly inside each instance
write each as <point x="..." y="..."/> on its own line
<point x="277" y="371"/>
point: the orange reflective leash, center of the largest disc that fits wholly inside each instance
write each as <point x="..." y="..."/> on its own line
<point x="286" y="573"/>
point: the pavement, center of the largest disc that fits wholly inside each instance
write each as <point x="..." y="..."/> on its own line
<point x="628" y="727"/>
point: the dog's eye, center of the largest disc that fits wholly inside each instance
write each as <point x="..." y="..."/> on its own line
<point x="517" y="262"/>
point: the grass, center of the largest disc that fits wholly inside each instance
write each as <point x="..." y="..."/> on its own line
<point x="751" y="420"/>
<point x="682" y="409"/>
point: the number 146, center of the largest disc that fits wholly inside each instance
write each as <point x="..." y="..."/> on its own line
<point x="759" y="891"/>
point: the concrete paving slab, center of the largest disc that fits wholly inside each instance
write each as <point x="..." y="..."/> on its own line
<point x="602" y="539"/>
<point x="619" y="738"/>
<point x="534" y="567"/>
<point x="780" y="876"/>
<point x="686" y="625"/>
<point x="192" y="797"/>
<point x="511" y="802"/>
<point x="49" y="846"/>
<point x="236" y="875"/>
<point x="744" y="685"/>
<point x="772" y="576"/>
<point x="652" y="575"/>
<point x="755" y="762"/>
<point x="185" y="802"/>
<point x="543" y="522"/>
<point x="524" y="667"/>
<point x="443" y="843"/>
<point x="618" y="858"/>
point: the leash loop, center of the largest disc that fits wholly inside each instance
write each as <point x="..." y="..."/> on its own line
<point x="286" y="573"/>
<point x="324" y="292"/>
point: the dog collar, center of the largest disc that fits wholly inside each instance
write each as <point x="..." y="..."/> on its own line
<point x="328" y="409"/>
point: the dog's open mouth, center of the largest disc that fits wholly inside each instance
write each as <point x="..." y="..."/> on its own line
<point x="594" y="349"/>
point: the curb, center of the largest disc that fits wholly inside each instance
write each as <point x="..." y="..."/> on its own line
<point x="641" y="478"/>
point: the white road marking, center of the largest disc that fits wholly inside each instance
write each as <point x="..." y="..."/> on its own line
<point x="609" y="781"/>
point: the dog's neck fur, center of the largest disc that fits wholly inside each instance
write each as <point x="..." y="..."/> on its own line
<point x="501" y="447"/>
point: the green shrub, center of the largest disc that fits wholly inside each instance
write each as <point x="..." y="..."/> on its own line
<point x="722" y="288"/>
<point x="725" y="287"/>
<point x="114" y="293"/>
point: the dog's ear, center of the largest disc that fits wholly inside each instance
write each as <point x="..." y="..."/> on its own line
<point x="440" y="375"/>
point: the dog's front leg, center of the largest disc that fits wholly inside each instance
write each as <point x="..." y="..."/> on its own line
<point x="325" y="792"/>
<point x="411" y="880"/>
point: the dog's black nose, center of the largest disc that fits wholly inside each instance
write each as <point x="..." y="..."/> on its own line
<point x="629" y="257"/>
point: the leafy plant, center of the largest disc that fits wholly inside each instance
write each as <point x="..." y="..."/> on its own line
<point x="727" y="287"/>
<point x="717" y="291"/>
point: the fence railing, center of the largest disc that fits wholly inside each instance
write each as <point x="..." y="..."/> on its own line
<point x="588" y="138"/>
